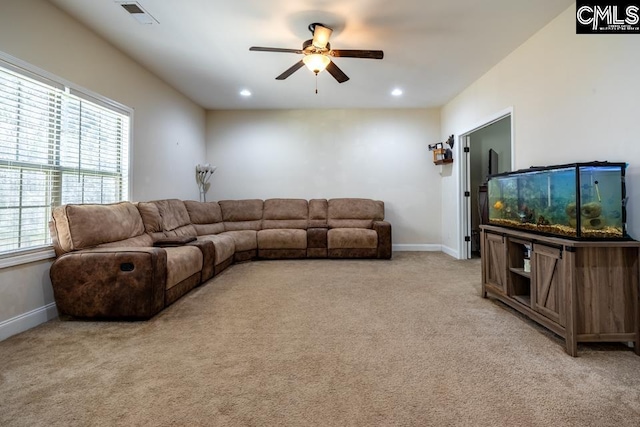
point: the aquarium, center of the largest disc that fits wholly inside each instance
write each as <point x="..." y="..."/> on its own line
<point x="580" y="200"/>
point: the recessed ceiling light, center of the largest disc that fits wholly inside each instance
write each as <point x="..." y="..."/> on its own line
<point x="396" y="92"/>
<point x="245" y="92"/>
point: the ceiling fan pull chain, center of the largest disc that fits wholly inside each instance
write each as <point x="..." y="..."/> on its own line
<point x="316" y="83"/>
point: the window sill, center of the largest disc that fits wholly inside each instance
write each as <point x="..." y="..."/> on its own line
<point x="11" y="260"/>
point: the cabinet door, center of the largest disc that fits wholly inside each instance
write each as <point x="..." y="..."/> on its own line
<point x="495" y="261"/>
<point x="547" y="282"/>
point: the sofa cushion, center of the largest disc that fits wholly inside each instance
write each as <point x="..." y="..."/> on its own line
<point x="206" y="217"/>
<point x="203" y="212"/>
<point x="318" y="212"/>
<point x="174" y="213"/>
<point x="245" y="240"/>
<point x="186" y="230"/>
<point x="282" y="239"/>
<point x="224" y="244"/>
<point x="352" y="238"/>
<point x="166" y="218"/>
<point x="285" y="213"/>
<point x="206" y="229"/>
<point x="76" y="226"/>
<point x="182" y="263"/>
<point x="175" y="218"/>
<point x="354" y="213"/>
<point x="241" y="214"/>
<point x="151" y="219"/>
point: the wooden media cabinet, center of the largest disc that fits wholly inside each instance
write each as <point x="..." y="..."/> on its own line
<point x="584" y="291"/>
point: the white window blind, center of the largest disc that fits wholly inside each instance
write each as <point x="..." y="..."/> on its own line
<point x="57" y="146"/>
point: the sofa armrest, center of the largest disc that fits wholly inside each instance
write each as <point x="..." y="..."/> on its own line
<point x="111" y="282"/>
<point x="208" y="250"/>
<point x="383" y="229"/>
<point x="317" y="242"/>
<point x="317" y="237"/>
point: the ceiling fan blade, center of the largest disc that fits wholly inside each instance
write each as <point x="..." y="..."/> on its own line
<point x="295" y="67"/>
<point x="349" y="53"/>
<point x="274" y="49"/>
<point x="321" y="36"/>
<point x="337" y="73"/>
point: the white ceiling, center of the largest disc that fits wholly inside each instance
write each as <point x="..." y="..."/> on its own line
<point x="433" y="49"/>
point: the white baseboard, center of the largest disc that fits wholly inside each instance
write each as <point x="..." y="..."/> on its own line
<point x="27" y="320"/>
<point x="450" y="252"/>
<point x="417" y="248"/>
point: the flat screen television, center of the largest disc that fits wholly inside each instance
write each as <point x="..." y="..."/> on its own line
<point x="493" y="162"/>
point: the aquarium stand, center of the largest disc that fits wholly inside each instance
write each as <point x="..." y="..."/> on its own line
<point x="584" y="291"/>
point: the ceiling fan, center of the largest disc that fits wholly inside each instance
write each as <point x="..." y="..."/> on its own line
<point x="317" y="54"/>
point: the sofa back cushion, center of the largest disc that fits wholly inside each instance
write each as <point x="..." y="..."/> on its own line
<point x="241" y="214"/>
<point x="354" y="213"/>
<point x="206" y="217"/>
<point x="169" y="218"/>
<point x="285" y="213"/>
<point x="318" y="212"/>
<point x="151" y="219"/>
<point x="76" y="227"/>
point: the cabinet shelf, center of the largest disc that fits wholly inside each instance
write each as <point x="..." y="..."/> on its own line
<point x="523" y="299"/>
<point x="520" y="272"/>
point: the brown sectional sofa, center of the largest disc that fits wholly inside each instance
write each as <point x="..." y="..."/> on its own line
<point x="130" y="260"/>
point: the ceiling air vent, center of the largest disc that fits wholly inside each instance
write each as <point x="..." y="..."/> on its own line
<point x="139" y="14"/>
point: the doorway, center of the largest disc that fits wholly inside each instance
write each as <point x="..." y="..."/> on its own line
<point x="487" y="151"/>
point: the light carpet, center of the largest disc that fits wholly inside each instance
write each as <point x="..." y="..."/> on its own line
<point x="406" y="342"/>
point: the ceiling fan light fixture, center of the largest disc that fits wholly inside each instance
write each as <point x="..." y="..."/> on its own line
<point x="317" y="54"/>
<point x="321" y="36"/>
<point x="316" y="62"/>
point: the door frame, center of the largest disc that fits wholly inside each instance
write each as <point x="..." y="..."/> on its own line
<point x="464" y="213"/>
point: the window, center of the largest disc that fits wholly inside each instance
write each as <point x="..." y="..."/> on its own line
<point x="58" y="145"/>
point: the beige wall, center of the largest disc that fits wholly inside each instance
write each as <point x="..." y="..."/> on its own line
<point x="169" y="129"/>
<point x="24" y="288"/>
<point x="380" y="154"/>
<point x="574" y="97"/>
